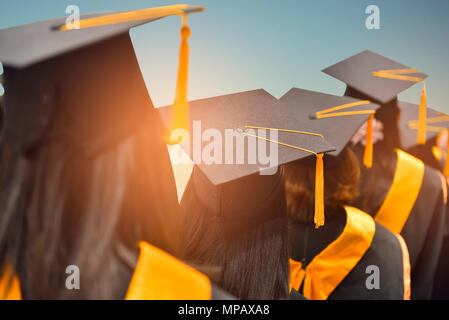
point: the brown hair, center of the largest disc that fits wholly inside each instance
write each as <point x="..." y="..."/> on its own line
<point x="340" y="186"/>
<point x="250" y="263"/>
<point x="87" y="178"/>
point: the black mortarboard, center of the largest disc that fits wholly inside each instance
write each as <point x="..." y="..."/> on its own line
<point x="380" y="79"/>
<point x="436" y="122"/>
<point x="375" y="76"/>
<point x="29" y="44"/>
<point x="68" y="83"/>
<point x="251" y="108"/>
<point x="336" y="118"/>
<point x="230" y="190"/>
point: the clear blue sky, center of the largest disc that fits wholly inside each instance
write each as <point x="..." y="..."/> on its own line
<point x="238" y="45"/>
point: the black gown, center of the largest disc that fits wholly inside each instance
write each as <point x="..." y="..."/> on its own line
<point x="428" y="156"/>
<point x="384" y="251"/>
<point x="424" y="228"/>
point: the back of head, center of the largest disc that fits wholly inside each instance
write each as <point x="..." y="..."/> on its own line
<point x="235" y="210"/>
<point x="239" y="231"/>
<point x="84" y="175"/>
<point x="372" y="189"/>
<point x="340" y="187"/>
<point x="388" y="114"/>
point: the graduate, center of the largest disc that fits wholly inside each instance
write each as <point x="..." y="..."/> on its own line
<point x="85" y="176"/>
<point x="434" y="154"/>
<point x="333" y="260"/>
<point x="434" y="151"/>
<point x="235" y="218"/>
<point x="399" y="191"/>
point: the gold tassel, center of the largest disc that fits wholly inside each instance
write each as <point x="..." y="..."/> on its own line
<point x="446" y="166"/>
<point x="9" y="285"/>
<point x="399" y="74"/>
<point x="319" y="171"/>
<point x="368" y="154"/>
<point x="180" y="117"/>
<point x="422" y="118"/>
<point x="319" y="191"/>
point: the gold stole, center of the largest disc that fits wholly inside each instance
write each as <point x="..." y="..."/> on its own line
<point x="326" y="271"/>
<point x="9" y="287"/>
<point x="403" y="193"/>
<point x="158" y="276"/>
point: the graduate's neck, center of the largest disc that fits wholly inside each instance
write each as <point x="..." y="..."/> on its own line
<point x="306" y="241"/>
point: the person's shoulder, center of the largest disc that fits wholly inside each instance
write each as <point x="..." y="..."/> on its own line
<point x="433" y="182"/>
<point x="385" y="245"/>
<point x="159" y="275"/>
<point x="386" y="252"/>
<point x="433" y="179"/>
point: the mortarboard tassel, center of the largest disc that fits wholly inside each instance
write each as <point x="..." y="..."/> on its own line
<point x="319" y="169"/>
<point x="368" y="154"/>
<point x="399" y="74"/>
<point x="422" y="118"/>
<point x="328" y="113"/>
<point x="9" y="285"/>
<point x="319" y="191"/>
<point x="414" y="124"/>
<point x="181" y="112"/>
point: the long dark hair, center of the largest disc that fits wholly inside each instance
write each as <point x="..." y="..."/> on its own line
<point x="58" y="209"/>
<point x="61" y="206"/>
<point x="376" y="181"/>
<point x="251" y="262"/>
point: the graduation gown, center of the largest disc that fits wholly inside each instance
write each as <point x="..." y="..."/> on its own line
<point x="335" y="261"/>
<point x="429" y="153"/>
<point x="441" y="282"/>
<point x="434" y="157"/>
<point x="414" y="207"/>
<point x="157" y="276"/>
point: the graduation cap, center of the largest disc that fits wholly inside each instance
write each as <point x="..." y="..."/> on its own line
<point x="436" y="123"/>
<point x="233" y="187"/>
<point x="368" y="74"/>
<point x="82" y="77"/>
<point x="336" y="118"/>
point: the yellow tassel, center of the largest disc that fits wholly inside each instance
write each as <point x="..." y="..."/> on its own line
<point x="319" y="191"/>
<point x="446" y="166"/>
<point x="9" y="285"/>
<point x="319" y="173"/>
<point x="422" y="118"/>
<point x="368" y="155"/>
<point x="180" y="118"/>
